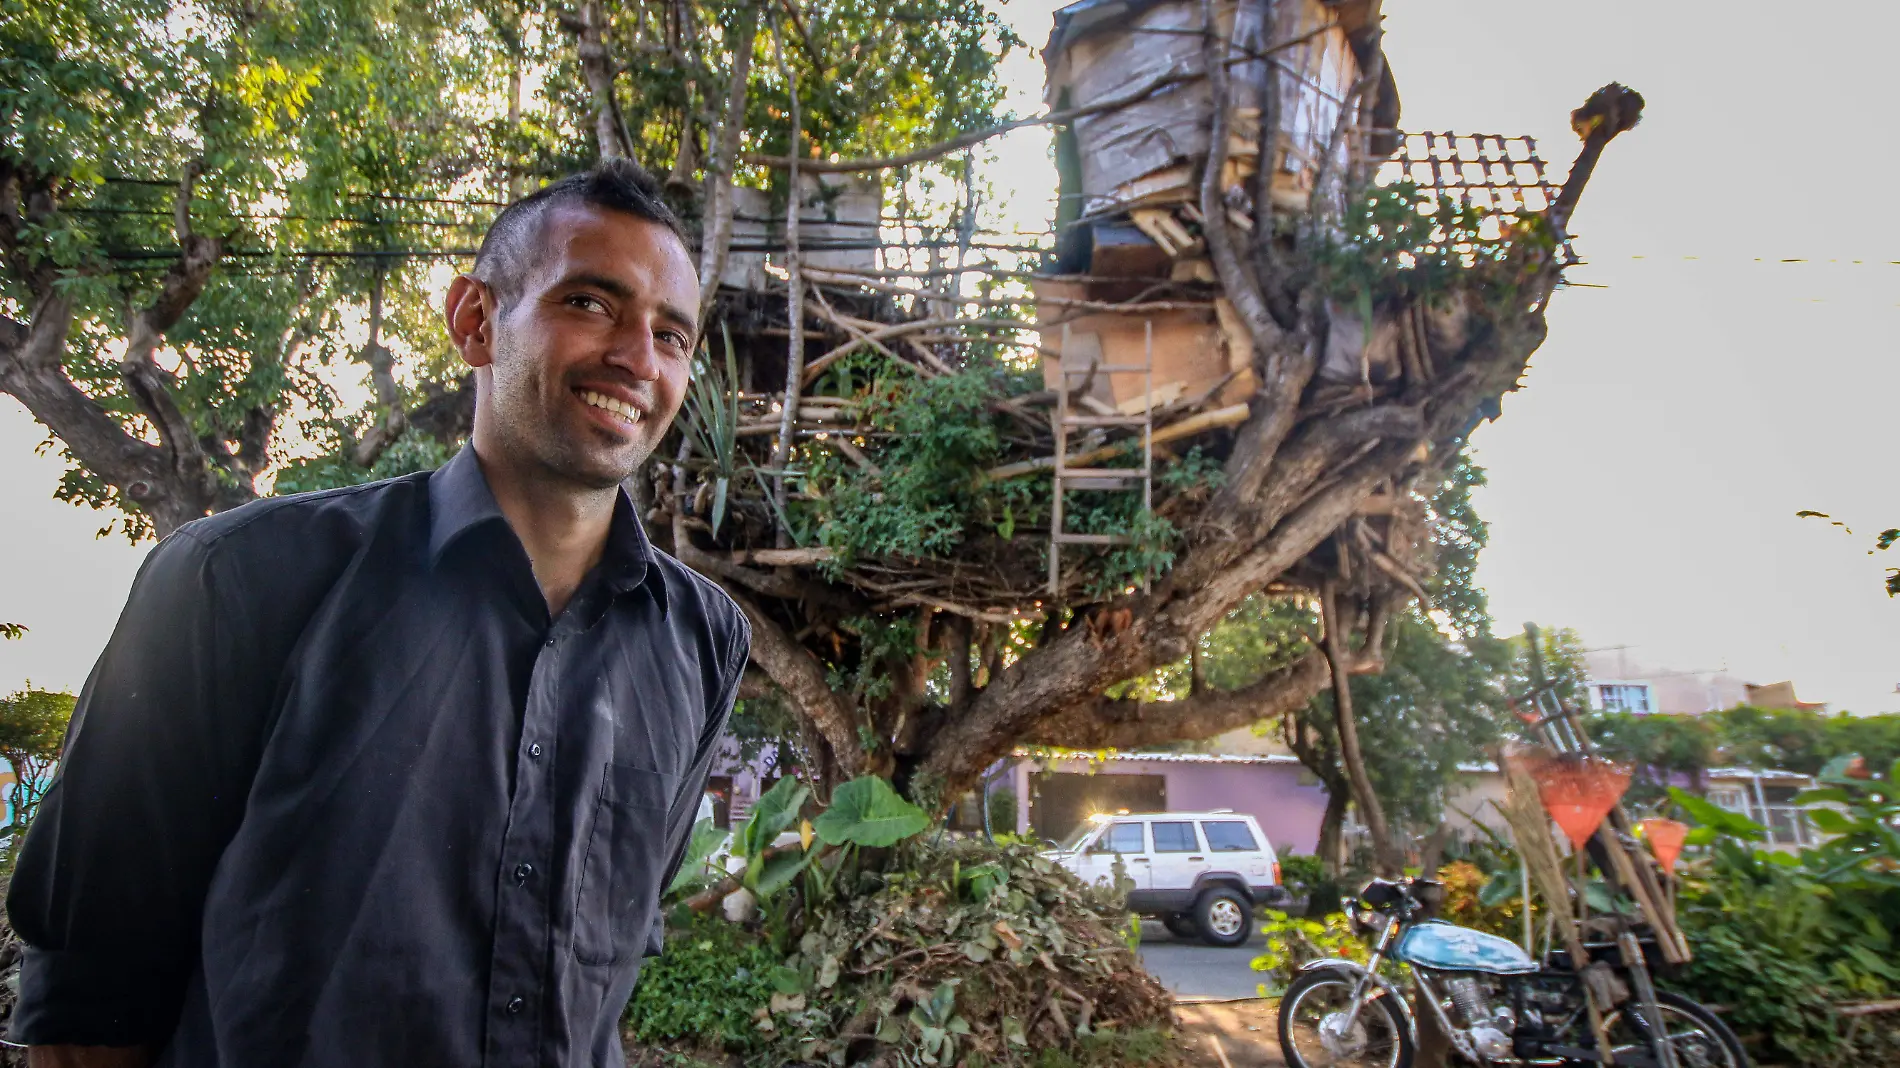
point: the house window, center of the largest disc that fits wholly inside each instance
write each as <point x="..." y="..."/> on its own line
<point x="1624" y="697"/>
<point x="1175" y="836"/>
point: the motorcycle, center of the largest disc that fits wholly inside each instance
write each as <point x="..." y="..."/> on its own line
<point x="1494" y="1003"/>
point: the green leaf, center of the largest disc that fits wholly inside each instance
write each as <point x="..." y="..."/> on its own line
<point x="774" y="814"/>
<point x="1716" y="818"/>
<point x="786" y="980"/>
<point x="1832" y="822"/>
<point x="1824" y="795"/>
<point x="1504" y="886"/>
<point x="867" y="812"/>
<point x="706" y="839"/>
<point x="775" y="873"/>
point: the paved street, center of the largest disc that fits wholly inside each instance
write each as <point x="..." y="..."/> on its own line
<point x="1194" y="969"/>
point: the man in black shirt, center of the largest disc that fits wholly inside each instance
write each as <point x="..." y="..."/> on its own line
<point x="393" y="775"/>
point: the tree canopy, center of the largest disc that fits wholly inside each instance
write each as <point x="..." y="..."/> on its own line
<point x="222" y="226"/>
<point x="32" y="735"/>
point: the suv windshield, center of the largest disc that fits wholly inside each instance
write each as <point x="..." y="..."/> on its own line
<point x="1073" y="840"/>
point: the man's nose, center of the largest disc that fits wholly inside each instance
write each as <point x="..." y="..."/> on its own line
<point x="635" y="350"/>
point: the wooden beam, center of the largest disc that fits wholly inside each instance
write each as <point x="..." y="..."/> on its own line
<point x="1232" y="415"/>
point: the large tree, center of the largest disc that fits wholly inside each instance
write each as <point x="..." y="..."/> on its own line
<point x="220" y="226"/>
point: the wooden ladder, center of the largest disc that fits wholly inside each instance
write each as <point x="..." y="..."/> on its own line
<point x="1099" y="478"/>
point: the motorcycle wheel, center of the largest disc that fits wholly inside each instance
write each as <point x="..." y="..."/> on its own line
<point x="1377" y="1039"/>
<point x="1699" y="1037"/>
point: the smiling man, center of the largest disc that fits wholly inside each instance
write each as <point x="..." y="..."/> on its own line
<point x="393" y="775"/>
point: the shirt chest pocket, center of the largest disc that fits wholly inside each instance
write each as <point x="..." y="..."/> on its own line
<point x="620" y="875"/>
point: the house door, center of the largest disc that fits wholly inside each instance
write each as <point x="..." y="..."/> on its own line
<point x="1060" y="801"/>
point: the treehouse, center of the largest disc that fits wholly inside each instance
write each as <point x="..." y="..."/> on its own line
<point x="931" y="458"/>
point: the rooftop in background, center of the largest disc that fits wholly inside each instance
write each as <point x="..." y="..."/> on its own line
<point x="1620" y="682"/>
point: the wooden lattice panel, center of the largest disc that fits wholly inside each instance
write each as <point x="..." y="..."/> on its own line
<point x="1489" y="171"/>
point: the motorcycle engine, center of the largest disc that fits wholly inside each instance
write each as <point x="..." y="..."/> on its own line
<point x="1488" y="1027"/>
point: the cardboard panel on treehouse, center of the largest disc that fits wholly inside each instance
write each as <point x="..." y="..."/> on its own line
<point x="837" y="228"/>
<point x="1194" y="351"/>
<point x="1143" y="152"/>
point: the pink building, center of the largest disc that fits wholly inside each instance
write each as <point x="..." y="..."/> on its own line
<point x="1054" y="795"/>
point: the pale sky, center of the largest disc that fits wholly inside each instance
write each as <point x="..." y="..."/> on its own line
<point x="1644" y="484"/>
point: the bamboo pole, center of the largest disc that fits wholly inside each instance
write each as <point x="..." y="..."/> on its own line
<point x="795" y="303"/>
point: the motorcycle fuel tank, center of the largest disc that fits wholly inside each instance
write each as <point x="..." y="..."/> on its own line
<point x="1448" y="948"/>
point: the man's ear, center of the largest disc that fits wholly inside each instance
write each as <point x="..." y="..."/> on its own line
<point x="470" y="313"/>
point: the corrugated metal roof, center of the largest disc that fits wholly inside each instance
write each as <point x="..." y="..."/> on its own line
<point x="1488" y="768"/>
<point x="1179" y="758"/>
<point x="1750" y="773"/>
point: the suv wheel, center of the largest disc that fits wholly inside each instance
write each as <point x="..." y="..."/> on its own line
<point x="1180" y="925"/>
<point x="1224" y="917"/>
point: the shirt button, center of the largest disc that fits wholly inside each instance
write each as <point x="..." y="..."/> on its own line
<point x="534" y="750"/>
<point x="550" y="643"/>
<point x="522" y="871"/>
<point x="514" y="1006"/>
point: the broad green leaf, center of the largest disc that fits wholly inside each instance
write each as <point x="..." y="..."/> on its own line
<point x="1716" y="818"/>
<point x="1824" y="795"/>
<point x="1832" y="822"/>
<point x="786" y="980"/>
<point x="1504" y="886"/>
<point x="776" y="810"/>
<point x="775" y="872"/>
<point x="867" y="812"/>
<point x="706" y="839"/>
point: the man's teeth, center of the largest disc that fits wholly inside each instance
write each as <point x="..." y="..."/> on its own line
<point x="612" y="404"/>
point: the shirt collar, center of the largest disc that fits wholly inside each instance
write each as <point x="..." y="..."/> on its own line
<point x="460" y="500"/>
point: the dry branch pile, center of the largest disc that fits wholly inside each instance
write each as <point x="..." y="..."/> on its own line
<point x="962" y="953"/>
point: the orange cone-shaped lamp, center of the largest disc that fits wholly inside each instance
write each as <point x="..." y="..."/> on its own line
<point x="1579" y="792"/>
<point x="1665" y="840"/>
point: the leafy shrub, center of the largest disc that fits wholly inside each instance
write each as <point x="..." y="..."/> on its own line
<point x="704" y="988"/>
<point x="1002" y="802"/>
<point x="1301" y="873"/>
<point x="1783" y="939"/>
<point x="1486" y="901"/>
<point x="1292" y="942"/>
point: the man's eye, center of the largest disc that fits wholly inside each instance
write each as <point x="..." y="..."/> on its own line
<point x="590" y="303"/>
<point x="676" y="339"/>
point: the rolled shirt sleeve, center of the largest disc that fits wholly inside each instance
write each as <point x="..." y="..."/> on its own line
<point x="111" y="881"/>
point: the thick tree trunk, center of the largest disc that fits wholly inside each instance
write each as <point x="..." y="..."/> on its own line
<point x="1390" y="860"/>
<point x="597" y="70"/>
<point x="715" y="241"/>
<point x="1332" y="824"/>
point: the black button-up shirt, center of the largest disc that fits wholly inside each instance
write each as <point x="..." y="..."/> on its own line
<point x="340" y="793"/>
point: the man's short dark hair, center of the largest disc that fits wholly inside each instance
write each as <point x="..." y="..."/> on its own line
<point x="616" y="184"/>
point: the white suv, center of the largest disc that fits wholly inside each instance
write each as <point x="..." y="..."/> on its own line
<point x="1202" y="873"/>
